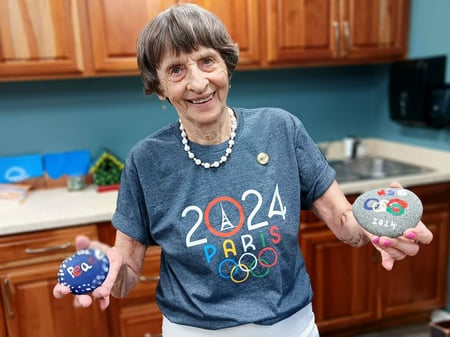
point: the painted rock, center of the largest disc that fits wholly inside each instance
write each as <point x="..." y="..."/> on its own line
<point x="84" y="271"/>
<point x="388" y="211"/>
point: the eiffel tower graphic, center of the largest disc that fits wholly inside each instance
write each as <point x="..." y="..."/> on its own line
<point x="226" y="223"/>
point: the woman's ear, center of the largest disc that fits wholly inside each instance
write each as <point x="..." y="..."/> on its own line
<point x="161" y="97"/>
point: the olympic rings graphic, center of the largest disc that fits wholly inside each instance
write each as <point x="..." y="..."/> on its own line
<point x="394" y="206"/>
<point x="253" y="264"/>
<point x="247" y="270"/>
<point x="220" y="267"/>
<point x="260" y="259"/>
<point x="241" y="266"/>
<point x="260" y="275"/>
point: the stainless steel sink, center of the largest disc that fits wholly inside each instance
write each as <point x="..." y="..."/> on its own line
<point x="373" y="168"/>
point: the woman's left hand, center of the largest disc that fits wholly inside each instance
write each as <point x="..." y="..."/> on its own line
<point x="394" y="249"/>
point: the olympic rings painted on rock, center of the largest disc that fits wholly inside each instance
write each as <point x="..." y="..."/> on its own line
<point x="380" y="206"/>
<point x="394" y="206"/>
<point x="370" y="203"/>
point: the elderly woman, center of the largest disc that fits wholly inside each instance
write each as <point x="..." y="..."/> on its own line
<point x="220" y="191"/>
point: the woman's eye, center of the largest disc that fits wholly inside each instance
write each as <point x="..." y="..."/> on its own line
<point x="176" y="73"/>
<point x="208" y="61"/>
<point x="175" y="70"/>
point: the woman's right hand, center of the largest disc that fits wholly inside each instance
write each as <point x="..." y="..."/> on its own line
<point x="103" y="292"/>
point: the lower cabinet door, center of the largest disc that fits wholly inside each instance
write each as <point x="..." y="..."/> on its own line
<point x="30" y="310"/>
<point x="142" y="320"/>
<point x="343" y="280"/>
<point x="418" y="284"/>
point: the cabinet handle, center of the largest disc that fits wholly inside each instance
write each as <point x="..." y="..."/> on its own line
<point x="48" y="249"/>
<point x="148" y="278"/>
<point x="8" y="299"/>
<point x="337" y="38"/>
<point x="347" y="36"/>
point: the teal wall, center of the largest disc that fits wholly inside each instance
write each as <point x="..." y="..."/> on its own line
<point x="429" y="31"/>
<point x="113" y="113"/>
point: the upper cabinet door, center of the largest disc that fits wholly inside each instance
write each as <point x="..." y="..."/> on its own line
<point x="241" y="17"/>
<point x="301" y="31"/>
<point x="114" y="28"/>
<point x="374" y="28"/>
<point x="336" y="31"/>
<point x="39" y="37"/>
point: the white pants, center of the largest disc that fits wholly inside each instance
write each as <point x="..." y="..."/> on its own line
<point x="300" y="324"/>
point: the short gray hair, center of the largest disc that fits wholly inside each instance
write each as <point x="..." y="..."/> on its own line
<point x="180" y="29"/>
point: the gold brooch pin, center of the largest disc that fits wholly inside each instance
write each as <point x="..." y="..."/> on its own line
<point x="262" y="158"/>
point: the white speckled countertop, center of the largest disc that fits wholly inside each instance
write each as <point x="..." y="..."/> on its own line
<point x="57" y="208"/>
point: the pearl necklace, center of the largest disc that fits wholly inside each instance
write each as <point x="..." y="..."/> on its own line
<point x="228" y="151"/>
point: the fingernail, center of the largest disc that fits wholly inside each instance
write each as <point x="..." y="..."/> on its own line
<point x="376" y="240"/>
<point x="386" y="242"/>
<point x="411" y="235"/>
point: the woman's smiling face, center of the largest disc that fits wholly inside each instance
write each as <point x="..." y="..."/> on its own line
<point x="197" y="86"/>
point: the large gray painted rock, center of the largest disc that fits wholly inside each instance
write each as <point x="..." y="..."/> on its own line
<point x="388" y="211"/>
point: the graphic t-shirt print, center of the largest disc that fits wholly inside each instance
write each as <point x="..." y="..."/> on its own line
<point x="238" y="246"/>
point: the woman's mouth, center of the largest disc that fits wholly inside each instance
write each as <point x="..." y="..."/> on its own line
<point x="202" y="100"/>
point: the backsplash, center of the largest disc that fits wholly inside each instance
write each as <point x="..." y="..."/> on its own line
<point x="64" y="115"/>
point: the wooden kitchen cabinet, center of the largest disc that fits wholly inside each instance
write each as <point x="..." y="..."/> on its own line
<point x="2" y="322"/>
<point x="138" y="313"/>
<point x="39" y="38"/>
<point x="114" y="26"/>
<point x="140" y="320"/>
<point x="376" y="29"/>
<point x="242" y="19"/>
<point x="353" y="292"/>
<point x="336" y="31"/>
<point x="89" y="38"/>
<point x="420" y="283"/>
<point x="343" y="279"/>
<point x="114" y="29"/>
<point x="28" y="272"/>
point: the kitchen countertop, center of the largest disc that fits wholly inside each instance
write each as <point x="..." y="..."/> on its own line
<point x="58" y="208"/>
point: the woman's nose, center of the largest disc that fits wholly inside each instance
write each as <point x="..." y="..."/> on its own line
<point x="197" y="80"/>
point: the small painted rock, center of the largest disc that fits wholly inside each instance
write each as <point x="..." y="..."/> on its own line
<point x="84" y="271"/>
<point x="388" y="211"/>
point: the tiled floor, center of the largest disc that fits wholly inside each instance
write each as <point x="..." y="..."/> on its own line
<point x="421" y="330"/>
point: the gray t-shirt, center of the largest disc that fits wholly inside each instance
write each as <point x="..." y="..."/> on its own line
<point x="229" y="235"/>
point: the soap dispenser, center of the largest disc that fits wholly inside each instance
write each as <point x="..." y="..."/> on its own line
<point x="410" y="82"/>
<point x="439" y="107"/>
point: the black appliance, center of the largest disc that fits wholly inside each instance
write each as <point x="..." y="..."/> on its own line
<point x="439" y="107"/>
<point x="417" y="92"/>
